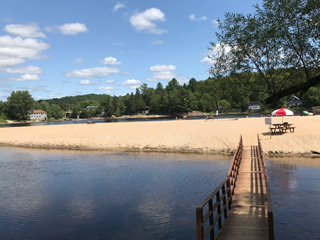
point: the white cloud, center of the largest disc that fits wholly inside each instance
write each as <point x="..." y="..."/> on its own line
<point x="144" y="21"/>
<point x="92" y="72"/>
<point x="26" y="77"/>
<point x="157" y="42"/>
<point x="215" y="23"/>
<point x="182" y="79"/>
<point x="24" y="70"/>
<point x="118" y="6"/>
<point x="135" y="87"/>
<point x="106" y="89"/>
<point x="162" y="73"/>
<point x="7" y="61"/>
<point x="216" y="51"/>
<point x="36" y="88"/>
<point x="26" y="31"/>
<point x="193" y="17"/>
<point x="21" y="48"/>
<point x="162" y="76"/>
<point x="88" y="82"/>
<point x="158" y="68"/>
<point x="126" y="73"/>
<point x="131" y="82"/>
<point x="110" y="81"/>
<point x="32" y="89"/>
<point x="110" y="61"/>
<point x="72" y="28"/>
<point x="208" y="60"/>
<point x="79" y="60"/>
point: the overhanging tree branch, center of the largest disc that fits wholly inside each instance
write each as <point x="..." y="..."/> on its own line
<point x="301" y="87"/>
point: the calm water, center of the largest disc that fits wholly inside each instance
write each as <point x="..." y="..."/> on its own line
<point x="85" y="121"/>
<point x="77" y="195"/>
<point x="295" y="189"/>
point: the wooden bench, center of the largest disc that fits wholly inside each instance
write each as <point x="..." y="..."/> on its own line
<point x="291" y="129"/>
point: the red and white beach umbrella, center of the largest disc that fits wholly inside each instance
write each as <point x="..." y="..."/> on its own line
<point x="282" y="112"/>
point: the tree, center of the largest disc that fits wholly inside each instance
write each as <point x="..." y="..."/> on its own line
<point x="20" y="104"/>
<point x="56" y="111"/>
<point x="172" y="84"/>
<point x="280" y="44"/>
<point x="139" y="103"/>
<point x="47" y="108"/>
<point x="155" y="103"/>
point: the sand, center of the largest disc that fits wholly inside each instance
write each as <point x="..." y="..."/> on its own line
<point x="199" y="136"/>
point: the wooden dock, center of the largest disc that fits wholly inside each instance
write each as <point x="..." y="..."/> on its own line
<point x="248" y="217"/>
<point x="240" y="208"/>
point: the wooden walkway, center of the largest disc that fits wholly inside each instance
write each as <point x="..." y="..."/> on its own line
<point x="248" y="217"/>
<point x="240" y="207"/>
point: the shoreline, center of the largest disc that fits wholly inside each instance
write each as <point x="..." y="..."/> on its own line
<point x="224" y="152"/>
<point x="197" y="136"/>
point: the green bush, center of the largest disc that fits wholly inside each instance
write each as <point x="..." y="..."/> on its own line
<point x="3" y="118"/>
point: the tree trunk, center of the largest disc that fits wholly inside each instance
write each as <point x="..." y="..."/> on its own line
<point x="301" y="87"/>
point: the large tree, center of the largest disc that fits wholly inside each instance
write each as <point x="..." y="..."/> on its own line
<point x="279" y="45"/>
<point x="20" y="103"/>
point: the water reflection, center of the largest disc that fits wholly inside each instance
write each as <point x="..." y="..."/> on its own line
<point x="295" y="189"/>
<point x="80" y="195"/>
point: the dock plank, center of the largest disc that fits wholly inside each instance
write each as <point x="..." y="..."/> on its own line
<point x="248" y="218"/>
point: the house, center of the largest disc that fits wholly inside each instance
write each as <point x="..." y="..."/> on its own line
<point x="294" y="101"/>
<point x="92" y="108"/>
<point x="67" y="114"/>
<point x="146" y="110"/>
<point x="254" y="106"/>
<point x="38" y="114"/>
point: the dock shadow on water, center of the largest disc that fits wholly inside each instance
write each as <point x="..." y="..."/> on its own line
<point x="81" y="195"/>
<point x="295" y="191"/>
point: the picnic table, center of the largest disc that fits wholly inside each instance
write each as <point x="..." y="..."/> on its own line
<point x="282" y="127"/>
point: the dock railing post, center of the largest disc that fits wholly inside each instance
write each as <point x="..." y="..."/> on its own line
<point x="199" y="219"/>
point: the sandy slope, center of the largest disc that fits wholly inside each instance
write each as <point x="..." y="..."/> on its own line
<point x="190" y="135"/>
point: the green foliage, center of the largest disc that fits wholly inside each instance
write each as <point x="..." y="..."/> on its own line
<point x="56" y="112"/>
<point x="274" y="51"/>
<point x="224" y="103"/>
<point x="20" y="104"/>
<point x="3" y="118"/>
<point x="206" y="95"/>
<point x="312" y="97"/>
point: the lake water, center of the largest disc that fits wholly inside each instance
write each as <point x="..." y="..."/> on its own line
<point x="95" y="195"/>
<point x="80" y="195"/>
<point x="295" y="193"/>
<point x="85" y="121"/>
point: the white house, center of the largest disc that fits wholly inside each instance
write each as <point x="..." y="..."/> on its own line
<point x="38" y="114"/>
<point x="91" y="108"/>
<point x="146" y="110"/>
<point x="294" y="101"/>
<point x="254" y="106"/>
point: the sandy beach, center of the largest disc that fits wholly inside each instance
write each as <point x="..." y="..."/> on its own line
<point x="199" y="136"/>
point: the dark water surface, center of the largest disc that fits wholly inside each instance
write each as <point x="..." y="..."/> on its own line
<point x="85" y="121"/>
<point x="295" y="190"/>
<point x="79" y="195"/>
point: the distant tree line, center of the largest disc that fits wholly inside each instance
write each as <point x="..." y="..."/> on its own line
<point x="206" y="96"/>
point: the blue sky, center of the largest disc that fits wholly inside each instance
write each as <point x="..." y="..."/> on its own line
<point x="65" y="48"/>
